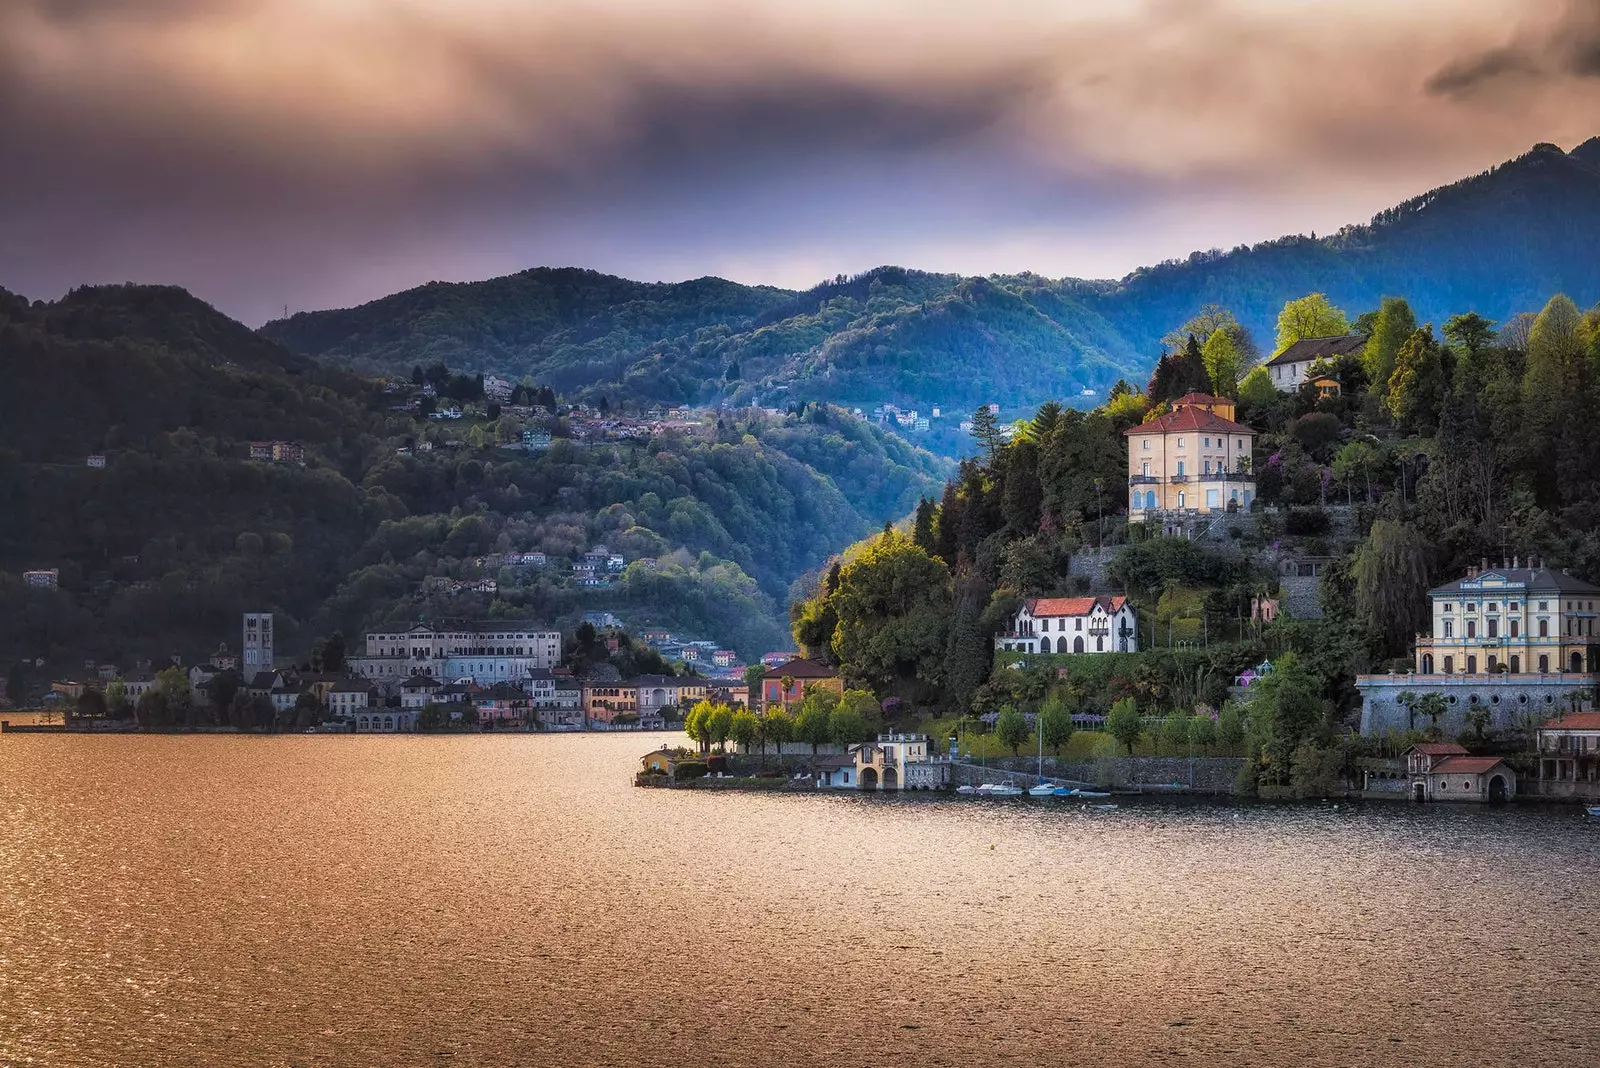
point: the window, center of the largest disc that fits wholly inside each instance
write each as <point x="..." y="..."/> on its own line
<point x="1544" y="606"/>
<point x="1208" y="467"/>
<point x="1494" y="628"/>
<point x="1472" y="628"/>
<point x="1449" y="606"/>
<point x="1513" y="628"/>
<point x="1471" y="607"/>
<point x="1472" y="665"/>
<point x="1180" y="443"/>
<point x="1180" y="467"/>
<point x="1449" y="628"/>
<point x="1516" y="667"/>
<point x="1544" y="664"/>
<point x="1146" y="444"/>
<point x="1544" y="628"/>
<point x="1449" y="665"/>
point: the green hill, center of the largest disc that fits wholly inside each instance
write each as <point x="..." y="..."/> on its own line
<point x="160" y="550"/>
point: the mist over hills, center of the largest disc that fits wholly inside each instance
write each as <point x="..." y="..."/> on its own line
<point x="1499" y="243"/>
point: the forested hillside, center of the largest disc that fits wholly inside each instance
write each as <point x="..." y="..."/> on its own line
<point x="162" y="548"/>
<point x="1497" y="243"/>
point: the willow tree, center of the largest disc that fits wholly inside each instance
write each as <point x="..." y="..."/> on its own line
<point x="1391" y="583"/>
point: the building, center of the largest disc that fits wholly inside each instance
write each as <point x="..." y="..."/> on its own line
<point x="723" y="657"/>
<point x="1569" y="757"/>
<point x="350" y="697"/>
<point x="278" y="452"/>
<point x="557" y="700"/>
<point x="801" y="673"/>
<point x="663" y="696"/>
<point x="419" y="691"/>
<point x="1446" y="772"/>
<point x="1290" y="368"/>
<point x="505" y="707"/>
<point x="605" y="701"/>
<point x="256" y="650"/>
<point x="96" y="460"/>
<point x="383" y="720"/>
<point x="1072" y="625"/>
<point x="1512" y="619"/>
<point x="728" y="693"/>
<point x="1511" y="645"/>
<point x="893" y="762"/>
<point x="772" y="660"/>
<point x="42" y="579"/>
<point x="286" y="696"/>
<point x="1193" y="459"/>
<point x="662" y="761"/>
<point x="487" y="652"/>
<point x="536" y="438"/>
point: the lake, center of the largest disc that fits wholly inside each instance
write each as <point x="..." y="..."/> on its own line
<point x="514" y="900"/>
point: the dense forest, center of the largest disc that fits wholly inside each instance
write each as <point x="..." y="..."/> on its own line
<point x="162" y="548"/>
<point x="1495" y="244"/>
<point x="1446" y="444"/>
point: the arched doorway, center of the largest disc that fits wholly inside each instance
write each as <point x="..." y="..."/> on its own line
<point x="1427" y="663"/>
<point x="1061" y="644"/>
<point x="1577" y="663"/>
<point x="891" y="779"/>
<point x="1419" y="792"/>
<point x="869" y="778"/>
<point x="1497" y="790"/>
<point x="1077" y="644"/>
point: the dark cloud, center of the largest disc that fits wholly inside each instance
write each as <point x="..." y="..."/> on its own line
<point x="1567" y="48"/>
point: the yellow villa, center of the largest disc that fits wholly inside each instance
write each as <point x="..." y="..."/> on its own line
<point x="1193" y="459"/>
<point x="1512" y="619"/>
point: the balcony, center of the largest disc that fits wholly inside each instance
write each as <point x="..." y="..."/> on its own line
<point x="1178" y="479"/>
<point x="1143" y="480"/>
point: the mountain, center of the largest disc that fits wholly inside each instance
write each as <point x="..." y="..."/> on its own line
<point x="161" y="549"/>
<point x="1498" y="243"/>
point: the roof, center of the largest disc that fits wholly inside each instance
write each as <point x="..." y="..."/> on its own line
<point x="262" y="680"/>
<point x="1199" y="398"/>
<point x="844" y="760"/>
<point x="802" y="668"/>
<point x="1575" y="721"/>
<point x="420" y="682"/>
<point x="1315" y="348"/>
<point x="667" y="681"/>
<point x="1534" y="579"/>
<point x="1439" y="749"/>
<point x="1072" y="606"/>
<point x="1191" y="419"/>
<point x="1466" y="765"/>
<point x="353" y="686"/>
<point x="504" y="691"/>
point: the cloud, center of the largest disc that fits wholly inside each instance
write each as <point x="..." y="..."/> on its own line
<point x="1540" y="50"/>
<point x="316" y="152"/>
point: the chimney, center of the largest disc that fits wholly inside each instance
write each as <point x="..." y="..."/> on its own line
<point x="1483" y="563"/>
<point x="1516" y="561"/>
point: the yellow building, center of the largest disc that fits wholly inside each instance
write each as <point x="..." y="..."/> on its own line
<point x="1512" y="619"/>
<point x="1193" y="459"/>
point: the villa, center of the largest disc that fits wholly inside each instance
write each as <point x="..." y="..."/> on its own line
<point x="1195" y="459"/>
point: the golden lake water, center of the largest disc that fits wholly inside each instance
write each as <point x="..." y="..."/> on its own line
<point x="514" y="900"/>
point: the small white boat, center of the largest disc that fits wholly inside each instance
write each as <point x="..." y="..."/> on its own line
<point x="967" y="791"/>
<point x="1593" y="810"/>
<point x="1044" y="789"/>
<point x="1093" y="793"/>
<point x="984" y="789"/>
<point x="1005" y="789"/>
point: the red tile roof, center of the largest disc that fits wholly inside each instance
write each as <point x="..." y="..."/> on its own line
<point x="1575" y="721"/>
<point x="1465" y="765"/>
<point x="801" y="668"/>
<point x="1188" y="418"/>
<point x="1440" y="749"/>
<point x="1073" y="606"/>
<point x="1199" y="398"/>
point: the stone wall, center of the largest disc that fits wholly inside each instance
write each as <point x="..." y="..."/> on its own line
<point x="1211" y="775"/>
<point x="1513" y="701"/>
<point x="1093" y="563"/>
<point x="1300" y="597"/>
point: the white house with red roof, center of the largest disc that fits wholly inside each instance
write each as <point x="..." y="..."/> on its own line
<point x="1194" y="458"/>
<point x="1101" y="624"/>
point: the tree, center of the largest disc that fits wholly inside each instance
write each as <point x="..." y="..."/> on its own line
<point x="117" y="699"/>
<point x="1223" y="362"/>
<point x="91" y="705"/>
<point x="719" y="725"/>
<point x="812" y="724"/>
<point x="695" y="724"/>
<point x="846" y="726"/>
<point x="1230" y="728"/>
<point x="1391" y="574"/>
<point x="893" y="605"/>
<point x="777" y="727"/>
<point x="1256" y="390"/>
<point x="986" y="428"/>
<point x="1309" y="316"/>
<point x="1202" y="732"/>
<point x="1054" y="722"/>
<point x="1123" y="723"/>
<point x="1469" y="335"/>
<point x="1392" y="329"/>
<point x="1416" y="383"/>
<point x="1011" y="728"/>
<point x="744" y="728"/>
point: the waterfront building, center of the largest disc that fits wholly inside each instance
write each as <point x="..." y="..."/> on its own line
<point x="418" y="691"/>
<point x="1443" y="771"/>
<point x="45" y="578"/>
<point x="801" y="673"/>
<point x="350" y="697"/>
<point x="892" y="762"/>
<point x="1515" y="643"/>
<point x="658" y="694"/>
<point x="384" y="720"/>
<point x="257" y="648"/>
<point x="1569" y="757"/>
<point x="604" y="701"/>
<point x="1102" y="624"/>
<point x="1195" y="459"/>
<point x="1291" y="368"/>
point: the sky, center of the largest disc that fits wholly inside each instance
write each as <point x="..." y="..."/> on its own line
<point x="300" y="154"/>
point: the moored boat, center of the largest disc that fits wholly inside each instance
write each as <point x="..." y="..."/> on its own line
<point x="1593" y="810"/>
<point x="1005" y="789"/>
<point x="1044" y="789"/>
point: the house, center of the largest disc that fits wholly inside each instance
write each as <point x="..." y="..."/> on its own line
<point x="278" y="452"/>
<point x="96" y="460"/>
<point x="419" y="691"/>
<point x="772" y="660"/>
<point x="536" y="438"/>
<point x="486" y="651"/>
<point x="662" y="761"/>
<point x="1569" y="756"/>
<point x="660" y="696"/>
<point x="1512" y="619"/>
<point x="1446" y="772"/>
<point x="800" y="673"/>
<point x="505" y="706"/>
<point x="728" y="693"/>
<point x="1193" y="459"/>
<point x="262" y="683"/>
<point x="836" y="772"/>
<point x="1289" y="368"/>
<point x="383" y="720"/>
<point x="557" y="700"/>
<point x="284" y="698"/>
<point x="723" y="657"/>
<point x="893" y="762"/>
<point x="604" y="701"/>
<point x="1508" y="645"/>
<point x="1078" y="625"/>
<point x="42" y="579"/>
<point x="351" y="697"/>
